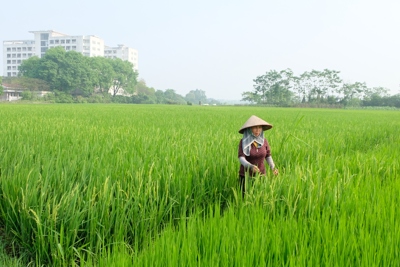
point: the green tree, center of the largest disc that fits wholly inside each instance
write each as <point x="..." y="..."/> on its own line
<point x="103" y="73"/>
<point x="317" y="86"/>
<point x="352" y="93"/>
<point x="77" y="75"/>
<point x="30" y="67"/>
<point x="251" y="97"/>
<point x="376" y="96"/>
<point x="393" y="101"/>
<point x="145" y="95"/>
<point x="273" y="87"/>
<point x="160" y="98"/>
<point x="64" y="71"/>
<point x="196" y="96"/>
<point x="171" y="97"/>
<point x="328" y="83"/>
<point x="73" y="73"/>
<point x="125" y="78"/>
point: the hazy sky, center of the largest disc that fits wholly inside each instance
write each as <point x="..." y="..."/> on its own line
<point x="221" y="46"/>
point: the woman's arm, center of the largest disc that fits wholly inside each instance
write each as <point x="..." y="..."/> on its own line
<point x="270" y="162"/>
<point x="248" y="165"/>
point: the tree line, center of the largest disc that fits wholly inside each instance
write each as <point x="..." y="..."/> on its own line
<point x="74" y="78"/>
<point x="72" y="73"/>
<point x="283" y="88"/>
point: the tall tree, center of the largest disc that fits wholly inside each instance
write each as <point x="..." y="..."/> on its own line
<point x="171" y="97"/>
<point x="251" y="97"/>
<point x="30" y="67"/>
<point x="273" y="87"/>
<point x="352" y="93"/>
<point x="196" y="96"/>
<point x="125" y="78"/>
<point x="103" y="73"/>
<point x="146" y="94"/>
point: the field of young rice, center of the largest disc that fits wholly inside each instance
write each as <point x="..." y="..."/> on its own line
<point x="154" y="185"/>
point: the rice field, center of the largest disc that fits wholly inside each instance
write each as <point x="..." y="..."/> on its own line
<point x="154" y="185"/>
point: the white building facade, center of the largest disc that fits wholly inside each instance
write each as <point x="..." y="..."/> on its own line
<point x="15" y="51"/>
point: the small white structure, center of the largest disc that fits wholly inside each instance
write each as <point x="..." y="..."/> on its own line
<point x="10" y="95"/>
<point x="13" y="94"/>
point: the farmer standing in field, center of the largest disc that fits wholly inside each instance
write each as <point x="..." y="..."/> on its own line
<point x="253" y="150"/>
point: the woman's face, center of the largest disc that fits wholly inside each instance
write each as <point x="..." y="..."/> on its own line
<point x="256" y="130"/>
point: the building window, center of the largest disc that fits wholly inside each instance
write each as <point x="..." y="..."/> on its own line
<point x="44" y="36"/>
<point x="56" y="41"/>
<point x="23" y="48"/>
<point x="18" y="49"/>
<point x="68" y="41"/>
<point x="13" y="49"/>
<point x="73" y="41"/>
<point x="67" y="48"/>
<point x="9" y="74"/>
<point x="43" y="43"/>
<point x="43" y="49"/>
<point x="51" y="41"/>
<point x="9" y="68"/>
<point x="18" y="61"/>
<point x="18" y="55"/>
<point x="29" y="54"/>
<point x="14" y="62"/>
<point x="8" y="55"/>
<point x="63" y="41"/>
<point x="29" y="48"/>
<point x="8" y="61"/>
<point x="8" y="49"/>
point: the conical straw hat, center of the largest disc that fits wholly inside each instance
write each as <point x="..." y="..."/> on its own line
<point x="255" y="121"/>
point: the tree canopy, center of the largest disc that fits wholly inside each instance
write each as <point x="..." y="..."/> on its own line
<point x="71" y="72"/>
<point x="312" y="87"/>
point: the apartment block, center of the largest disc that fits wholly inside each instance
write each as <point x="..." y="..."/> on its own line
<point x="15" y="51"/>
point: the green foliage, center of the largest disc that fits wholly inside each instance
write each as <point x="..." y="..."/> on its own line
<point x="196" y="97"/>
<point x="72" y="73"/>
<point x="171" y="97"/>
<point x="103" y="74"/>
<point x="27" y="95"/>
<point x="124" y="79"/>
<point x="313" y="88"/>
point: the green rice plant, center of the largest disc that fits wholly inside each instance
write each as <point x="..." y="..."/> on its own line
<point x="116" y="185"/>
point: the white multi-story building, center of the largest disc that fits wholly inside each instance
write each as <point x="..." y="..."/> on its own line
<point x="123" y="52"/>
<point x="15" y="51"/>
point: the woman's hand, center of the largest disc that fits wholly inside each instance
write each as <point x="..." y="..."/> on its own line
<point x="255" y="169"/>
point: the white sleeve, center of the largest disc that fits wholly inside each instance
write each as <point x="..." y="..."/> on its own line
<point x="270" y="162"/>
<point x="245" y="163"/>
